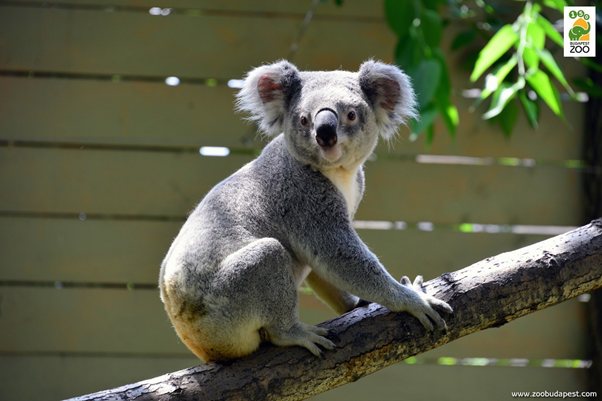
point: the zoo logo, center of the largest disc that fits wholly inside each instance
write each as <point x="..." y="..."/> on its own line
<point x="579" y="37"/>
<point x="581" y="27"/>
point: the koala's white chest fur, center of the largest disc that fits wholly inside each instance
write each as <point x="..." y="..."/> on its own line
<point x="345" y="180"/>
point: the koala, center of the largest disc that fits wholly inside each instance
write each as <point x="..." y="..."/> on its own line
<point x="229" y="280"/>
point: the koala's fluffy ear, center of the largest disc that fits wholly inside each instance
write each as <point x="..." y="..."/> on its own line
<point x="390" y="93"/>
<point x="266" y="93"/>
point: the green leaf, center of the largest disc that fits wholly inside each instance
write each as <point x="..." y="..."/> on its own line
<point x="427" y="116"/>
<point x="548" y="60"/>
<point x="430" y="135"/>
<point x="591" y="64"/>
<point x="426" y="80"/>
<point x="408" y="53"/>
<point x="448" y="111"/>
<point x="432" y="28"/>
<point x="508" y="118"/>
<point x="531" y="108"/>
<point x="450" y="115"/>
<point x="555" y="4"/>
<point x="432" y="4"/>
<point x="535" y="9"/>
<point x="503" y="40"/>
<point x="468" y="61"/>
<point x="536" y="39"/>
<point x="401" y="14"/>
<point x="493" y="80"/>
<point x="541" y="84"/>
<point x="589" y="87"/>
<point x="464" y="38"/>
<point x="502" y="96"/>
<point x="550" y="30"/>
<point x="444" y="88"/>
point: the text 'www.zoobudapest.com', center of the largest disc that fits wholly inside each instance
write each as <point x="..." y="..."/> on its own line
<point x="554" y="394"/>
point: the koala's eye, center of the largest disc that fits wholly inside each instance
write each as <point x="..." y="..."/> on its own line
<point x="351" y="116"/>
<point x="303" y="121"/>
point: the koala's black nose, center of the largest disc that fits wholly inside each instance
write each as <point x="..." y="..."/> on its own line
<point x="326" y="128"/>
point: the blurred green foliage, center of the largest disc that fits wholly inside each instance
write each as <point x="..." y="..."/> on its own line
<point x="514" y="63"/>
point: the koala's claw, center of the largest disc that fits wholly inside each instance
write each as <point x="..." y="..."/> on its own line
<point x="426" y="311"/>
<point x="316" y="338"/>
<point x="321" y="342"/>
<point x="418" y="284"/>
<point x="311" y="337"/>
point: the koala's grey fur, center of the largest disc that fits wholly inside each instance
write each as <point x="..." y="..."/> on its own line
<point x="230" y="278"/>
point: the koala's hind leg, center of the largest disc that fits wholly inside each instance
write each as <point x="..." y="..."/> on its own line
<point x="254" y="298"/>
<point x="273" y="295"/>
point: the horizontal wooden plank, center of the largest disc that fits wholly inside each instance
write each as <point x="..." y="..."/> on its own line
<point x="90" y="251"/>
<point x="349" y="8"/>
<point x="82" y="41"/>
<point x="131" y="251"/>
<point x="141" y="44"/>
<point x="57" y="377"/>
<point x="427" y="383"/>
<point x="109" y="182"/>
<point x="88" y="111"/>
<point x="121" y="321"/>
<point x="85" y="320"/>
<point x="60" y="377"/>
<point x="539" y="336"/>
<point x="99" y="321"/>
<point x="90" y="320"/>
<point x="553" y="140"/>
<point x="157" y="183"/>
<point x="142" y="113"/>
<point x="433" y="253"/>
<point x="458" y="193"/>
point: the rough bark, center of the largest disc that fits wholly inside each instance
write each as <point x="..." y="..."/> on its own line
<point x="487" y="294"/>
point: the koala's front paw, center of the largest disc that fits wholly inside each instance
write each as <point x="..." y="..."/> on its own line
<point x="423" y="305"/>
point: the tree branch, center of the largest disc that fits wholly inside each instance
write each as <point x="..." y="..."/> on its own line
<point x="487" y="294"/>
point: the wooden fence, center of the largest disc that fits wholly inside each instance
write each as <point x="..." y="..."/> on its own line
<point x="100" y="163"/>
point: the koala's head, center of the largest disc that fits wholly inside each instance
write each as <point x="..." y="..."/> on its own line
<point x="329" y="119"/>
